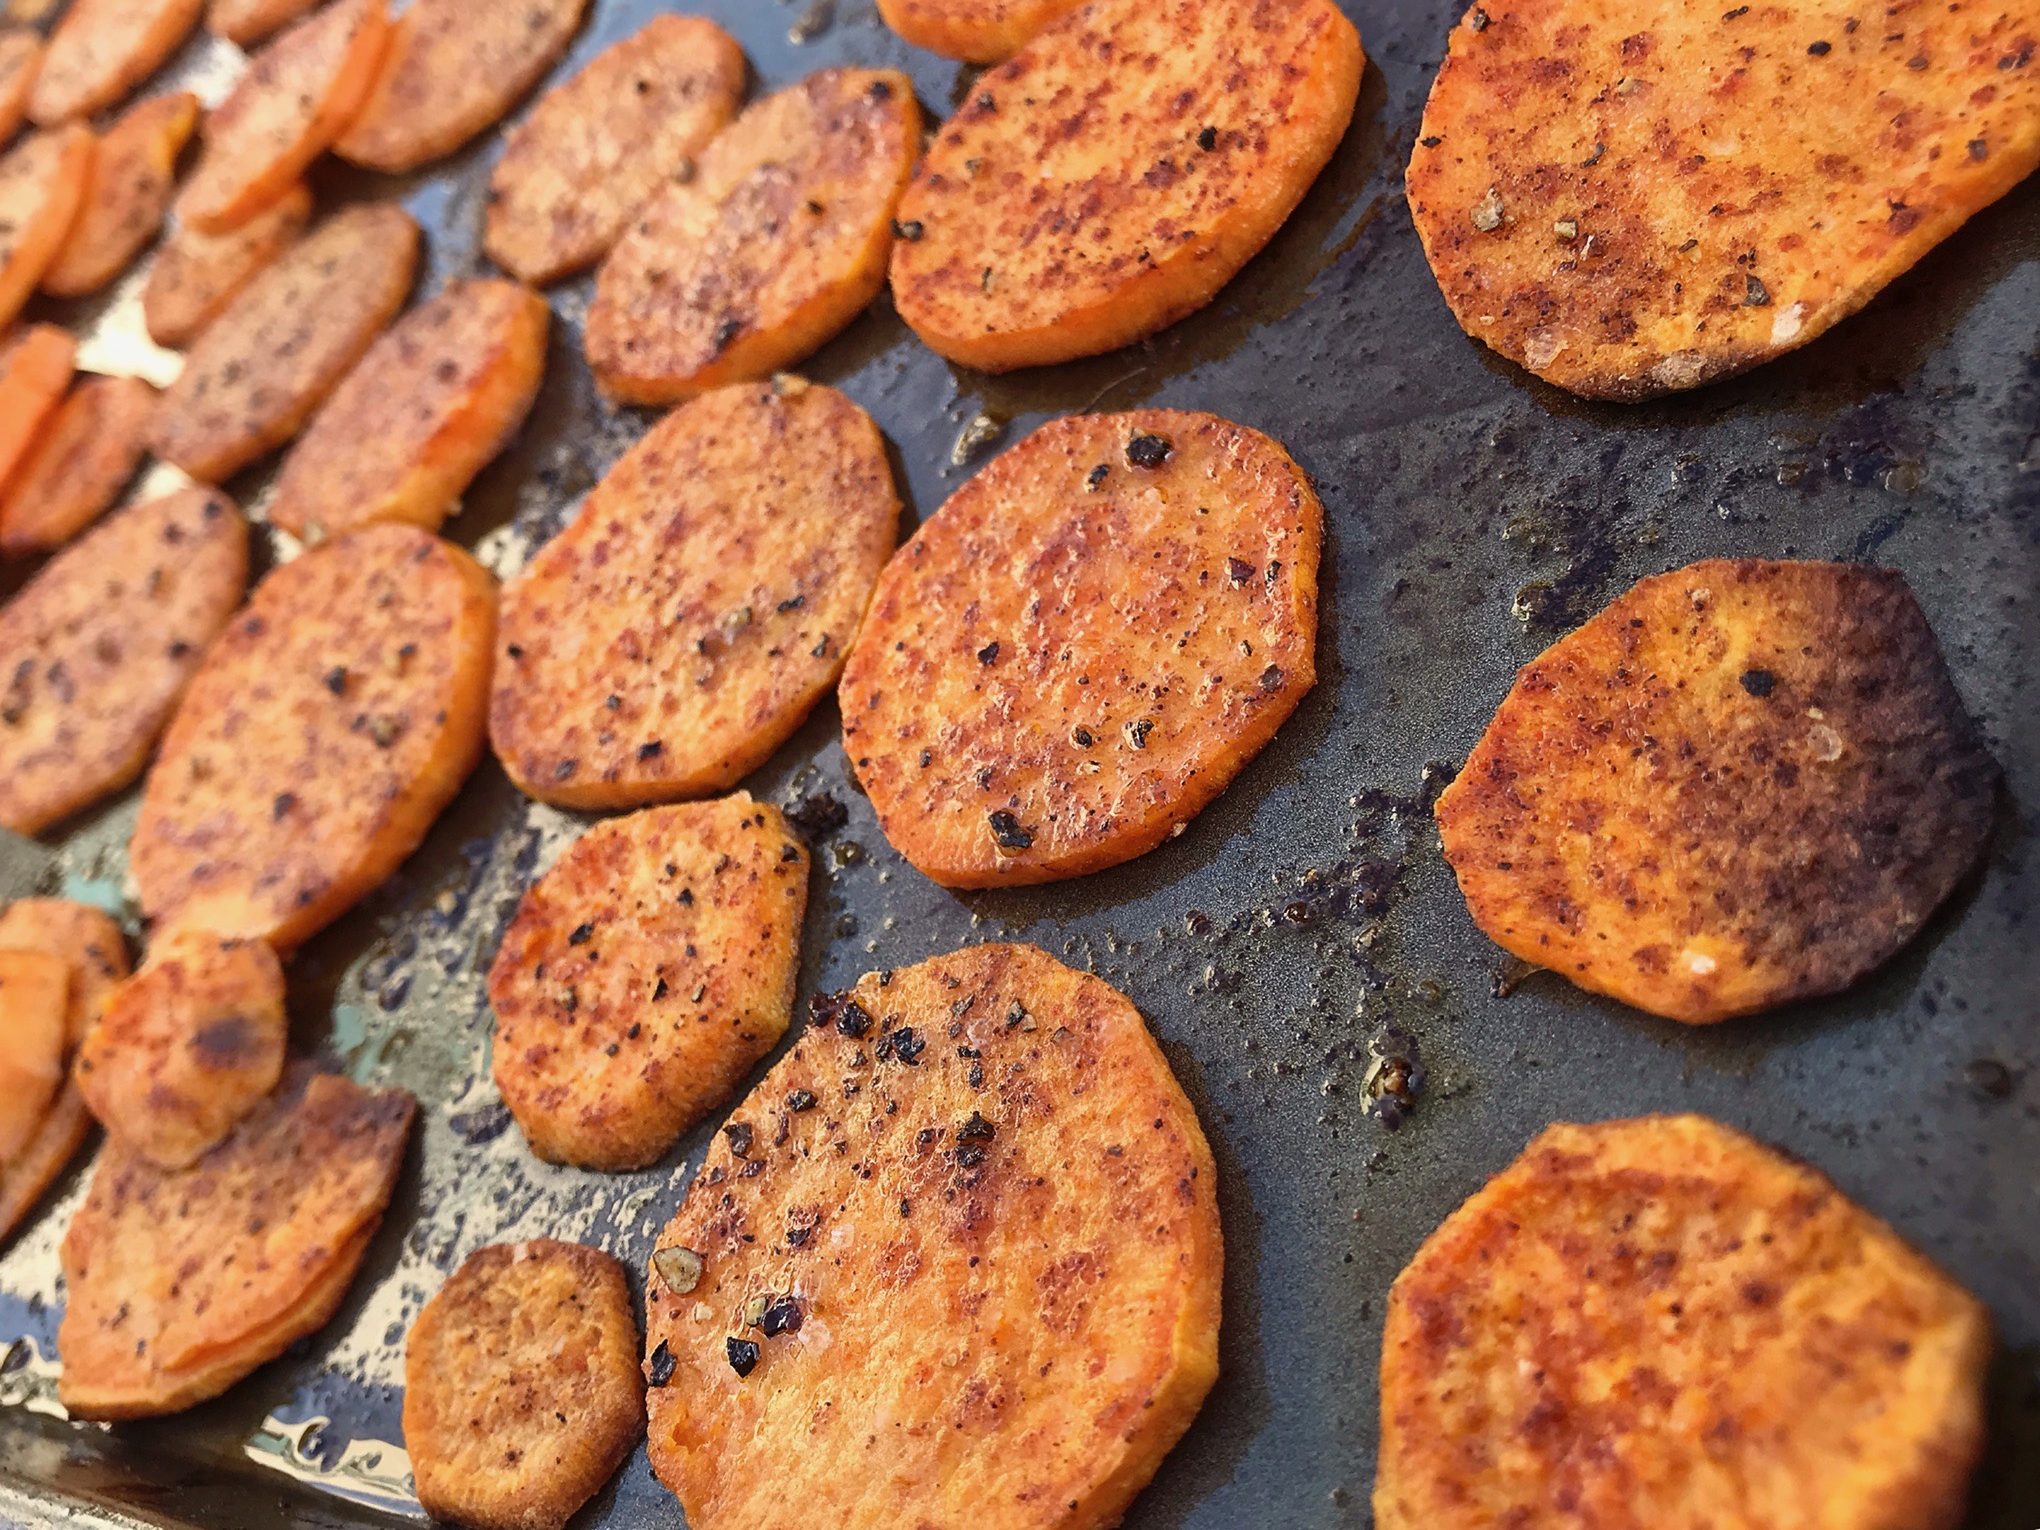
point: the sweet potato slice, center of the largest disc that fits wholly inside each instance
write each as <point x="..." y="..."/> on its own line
<point x="972" y="1210"/>
<point x="1630" y="200"/>
<point x="452" y="69"/>
<point x="644" y="975"/>
<point x="1116" y="172"/>
<point x="1659" y="1322"/>
<point x="183" y="1281"/>
<point x="187" y="1047"/>
<point x="680" y="629"/>
<point x="975" y="31"/>
<point x="521" y="1387"/>
<point x="298" y="95"/>
<point x="776" y="242"/>
<point x="96" y="649"/>
<point x="132" y="177"/>
<point x="426" y="409"/>
<point x="1741" y="784"/>
<point x="42" y="187"/>
<point x="195" y="276"/>
<point x="21" y="53"/>
<point x="332" y="721"/>
<point x="247" y="22"/>
<point x="36" y="366"/>
<point x="79" y="464"/>
<point x="35" y="992"/>
<point x="1084" y="646"/>
<point x="257" y="372"/>
<point x="596" y="149"/>
<point x="102" y="49"/>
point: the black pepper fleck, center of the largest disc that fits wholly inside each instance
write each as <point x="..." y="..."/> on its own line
<point x="1006" y="829"/>
<point x="1148" y="451"/>
<point x="659" y="1370"/>
<point x="1759" y="682"/>
<point x="743" y="1356"/>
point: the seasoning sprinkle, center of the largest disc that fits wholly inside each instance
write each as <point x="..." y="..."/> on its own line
<point x="1149" y="451"/>
<point x="1096" y="476"/>
<point x="1007" y="830"/>
<point x="1755" y="293"/>
<point x="1138" y="730"/>
<point x="1207" y="139"/>
<point x="1487" y="212"/>
<point x="743" y="1356"/>
<point x="1480" y="21"/>
<point x="580" y="935"/>
<point x="659" y="1369"/>
<point x="679" y="1268"/>
<point x="911" y="230"/>
<point x="740" y="1134"/>
<point x="1820" y="49"/>
<point x="799" y="1100"/>
<point x="1758" y="682"/>
<point x="989" y="653"/>
<point x="1567" y="229"/>
<point x="781" y="1315"/>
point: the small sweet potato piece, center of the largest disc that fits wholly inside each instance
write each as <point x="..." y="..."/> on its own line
<point x="521" y="1387"/>
<point x="970" y="1211"/>
<point x="245" y="23"/>
<point x="1741" y="784"/>
<point x="776" y="242"/>
<point x="255" y="375"/>
<point x="195" y="276"/>
<point x="1084" y="646"/>
<point x="426" y="409"/>
<point x="98" y="646"/>
<point x="102" y="49"/>
<point x="79" y="464"/>
<point x="21" y="53"/>
<point x="132" y="177"/>
<point x="42" y="188"/>
<point x="297" y="96"/>
<point x="596" y="149"/>
<point x="699" y="605"/>
<point x="644" y="975"/>
<point x="35" y="992"/>
<point x="1116" y="172"/>
<point x="452" y="69"/>
<point x="331" y="722"/>
<point x="36" y="367"/>
<point x="1659" y="1322"/>
<point x="974" y="31"/>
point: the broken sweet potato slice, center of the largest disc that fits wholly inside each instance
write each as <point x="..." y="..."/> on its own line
<point x="973" y="31"/>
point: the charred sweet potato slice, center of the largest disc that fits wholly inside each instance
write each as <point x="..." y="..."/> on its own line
<point x="975" y="31"/>
<point x="426" y="409"/>
<point x="1084" y="646"/>
<point x="331" y="722"/>
<point x="1630" y="200"/>
<point x="132" y="177"/>
<point x="257" y="372"/>
<point x="182" y="1281"/>
<point x="35" y="993"/>
<point x="1660" y="1322"/>
<point x="297" y="96"/>
<point x="195" y="276"/>
<point x="777" y="241"/>
<point x="102" y="49"/>
<point x="78" y="465"/>
<point x="597" y="148"/>
<point x="699" y="605"/>
<point x="1116" y="172"/>
<point x="644" y="975"/>
<point x="21" y="53"/>
<point x="1741" y="784"/>
<point x="42" y="187"/>
<point x="36" y="367"/>
<point x="247" y="22"/>
<point x="521" y="1387"/>
<point x="971" y="1208"/>
<point x="97" y="648"/>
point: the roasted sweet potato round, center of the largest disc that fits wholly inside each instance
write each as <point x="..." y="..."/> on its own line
<point x="43" y="181"/>
<point x="246" y="22"/>
<point x="35" y="996"/>
<point x="21" y="53"/>
<point x="102" y="49"/>
<point x="195" y="276"/>
<point x="132" y="177"/>
<point x="1741" y="784"/>
<point x="1659" y="1323"/>
<point x="36" y="366"/>
<point x="80" y="462"/>
<point x="975" y="31"/>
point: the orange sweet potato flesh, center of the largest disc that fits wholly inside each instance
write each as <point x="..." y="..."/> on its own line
<point x="35" y="992"/>
<point x="247" y="22"/>
<point x="1659" y="1324"/>
<point x="195" y="277"/>
<point x="43" y="180"/>
<point x="102" y="49"/>
<point x="975" y="31"/>
<point x="79" y="464"/>
<point x="35" y="369"/>
<point x="21" y="53"/>
<point x="1084" y="646"/>
<point x="132" y="178"/>
<point x="1741" y="784"/>
<point x="1629" y="200"/>
<point x="992" y="1222"/>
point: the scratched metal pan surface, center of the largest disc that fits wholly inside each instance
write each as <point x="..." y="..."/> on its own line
<point x="1305" y="924"/>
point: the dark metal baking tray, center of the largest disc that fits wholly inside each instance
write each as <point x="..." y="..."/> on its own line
<point x="1306" y="921"/>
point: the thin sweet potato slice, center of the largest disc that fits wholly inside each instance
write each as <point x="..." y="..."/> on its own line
<point x="426" y="409"/>
<point x="195" y="276"/>
<point x="21" y="53"/>
<point x="132" y="178"/>
<point x="777" y="241"/>
<point x="1658" y="1322"/>
<point x="644" y="975"/>
<point x="699" y="605"/>
<point x="452" y="69"/>
<point x="331" y="722"/>
<point x="1084" y="646"/>
<point x="974" y="31"/>
<point x="35" y="993"/>
<point x="102" y="49"/>
<point x="297" y="97"/>
<point x="79" y="464"/>
<point x="36" y="366"/>
<point x="1741" y="784"/>
<point x="247" y="22"/>
<point x="42" y="188"/>
<point x="1629" y="200"/>
<point x="596" y="149"/>
<point x="96" y="649"/>
<point x="970" y="1210"/>
<point x="1116" y="172"/>
<point x="255" y="375"/>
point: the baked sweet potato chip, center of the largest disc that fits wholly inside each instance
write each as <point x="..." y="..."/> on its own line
<point x="1741" y="784"/>
<point x="1659" y="1322"/>
<point x="132" y="177"/>
<point x="36" y="366"/>
<point x="247" y="22"/>
<point x="183" y="1281"/>
<point x="42" y="187"/>
<point x="1084" y="646"/>
<point x="956" y="1260"/>
<point x="644" y="975"/>
<point x="35" y="993"/>
<point x="433" y="401"/>
<point x="596" y="149"/>
<point x="1630" y="200"/>
<point x="777" y="241"/>
<point x="521" y="1387"/>
<point x="255" y="375"/>
<point x="975" y="31"/>
<point x="1110" y="177"/>
<point x="332" y="721"/>
<point x="21" y="53"/>
<point x="102" y="49"/>
<point x="195" y="276"/>
<point x="79" y="464"/>
<point x="297" y="96"/>
<point x="99" y="645"/>
<point x="699" y="605"/>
